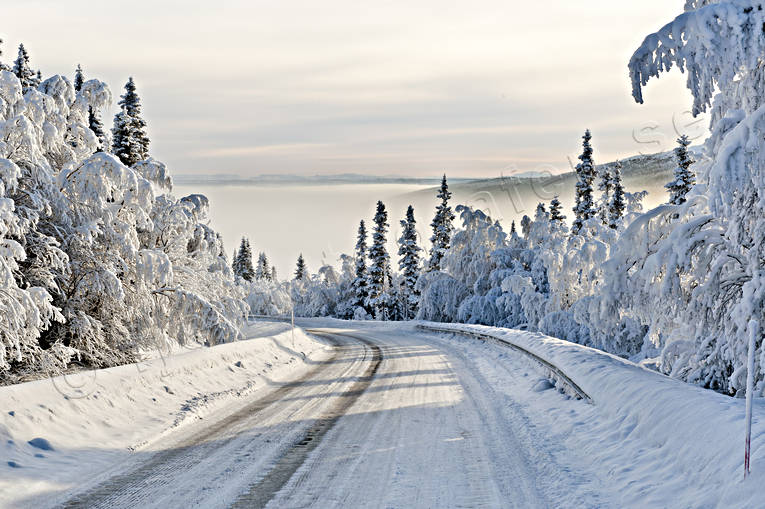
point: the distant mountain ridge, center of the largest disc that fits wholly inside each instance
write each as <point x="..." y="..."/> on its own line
<point x="291" y="179"/>
<point x="509" y="197"/>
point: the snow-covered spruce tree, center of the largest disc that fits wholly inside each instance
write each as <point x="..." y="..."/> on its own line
<point x="525" y="226"/>
<point x="605" y="185"/>
<point x="23" y="71"/>
<point x="555" y="210"/>
<point x="585" y="171"/>
<point x="300" y="269"/>
<point x="707" y="268"/>
<point x="95" y="125"/>
<point x="379" y="299"/>
<point x="3" y="67"/>
<point x="262" y="271"/>
<point x="273" y="274"/>
<point x="79" y="78"/>
<point x="130" y="142"/>
<point x="242" y="264"/>
<point x="409" y="264"/>
<point x="684" y="178"/>
<point x="361" y="277"/>
<point x="616" y="203"/>
<point x="442" y="227"/>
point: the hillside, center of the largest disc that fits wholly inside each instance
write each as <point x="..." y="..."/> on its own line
<point x="510" y="197"/>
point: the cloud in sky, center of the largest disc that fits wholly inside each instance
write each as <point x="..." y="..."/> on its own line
<point x="471" y="88"/>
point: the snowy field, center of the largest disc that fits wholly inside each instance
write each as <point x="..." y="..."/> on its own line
<point x="418" y="419"/>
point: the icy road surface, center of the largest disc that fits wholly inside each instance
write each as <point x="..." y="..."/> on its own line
<point x="390" y="419"/>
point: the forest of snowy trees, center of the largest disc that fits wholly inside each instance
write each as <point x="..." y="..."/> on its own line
<point x="680" y="287"/>
<point x="98" y="259"/>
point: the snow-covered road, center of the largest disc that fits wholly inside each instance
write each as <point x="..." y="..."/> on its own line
<point x="381" y="415"/>
<point x="390" y="419"/>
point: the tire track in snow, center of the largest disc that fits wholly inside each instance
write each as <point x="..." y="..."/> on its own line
<point x="160" y="468"/>
<point x="264" y="490"/>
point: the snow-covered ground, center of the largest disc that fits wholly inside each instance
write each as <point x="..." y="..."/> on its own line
<point x="392" y="416"/>
<point x="651" y="441"/>
<point x="93" y="420"/>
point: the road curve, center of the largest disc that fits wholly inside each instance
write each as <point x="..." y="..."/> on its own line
<point x="268" y="433"/>
<point x="393" y="419"/>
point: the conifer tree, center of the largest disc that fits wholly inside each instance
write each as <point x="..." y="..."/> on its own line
<point x="409" y="264"/>
<point x="95" y="124"/>
<point x="555" y="210"/>
<point x="79" y="79"/>
<point x="585" y="170"/>
<point x="685" y="178"/>
<point x="3" y="67"/>
<point x="617" y="203"/>
<point x="379" y="270"/>
<point x="242" y="264"/>
<point x="273" y="274"/>
<point x="442" y="227"/>
<point x="605" y="185"/>
<point x="360" y="281"/>
<point x="130" y="142"/>
<point x="263" y="271"/>
<point x="23" y="71"/>
<point x="512" y="227"/>
<point x="526" y="226"/>
<point x="300" y="271"/>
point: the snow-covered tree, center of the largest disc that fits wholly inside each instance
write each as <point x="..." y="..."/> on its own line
<point x="555" y="210"/>
<point x="98" y="262"/>
<point x="262" y="270"/>
<point x="79" y="78"/>
<point x="300" y="268"/>
<point x="268" y="297"/>
<point x="585" y="171"/>
<point x="130" y="142"/>
<point x="525" y="226"/>
<point x="3" y="66"/>
<point x="616" y="202"/>
<point x="95" y="125"/>
<point x="361" y="277"/>
<point x="684" y="178"/>
<point x="273" y="274"/>
<point x="442" y="227"/>
<point x="379" y="299"/>
<point x="23" y="71"/>
<point x="242" y="263"/>
<point x="605" y="185"/>
<point x="705" y="257"/>
<point x="409" y="264"/>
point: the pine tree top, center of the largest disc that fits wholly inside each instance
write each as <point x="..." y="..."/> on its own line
<point x="361" y="238"/>
<point x="381" y="217"/>
<point x="410" y="215"/>
<point x="79" y="78"/>
<point x="129" y="101"/>
<point x="443" y="191"/>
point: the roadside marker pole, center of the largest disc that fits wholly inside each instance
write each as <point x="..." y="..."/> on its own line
<point x="292" y="319"/>
<point x="753" y="331"/>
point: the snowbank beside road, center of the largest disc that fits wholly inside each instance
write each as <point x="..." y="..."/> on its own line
<point x="56" y="432"/>
<point x="663" y="442"/>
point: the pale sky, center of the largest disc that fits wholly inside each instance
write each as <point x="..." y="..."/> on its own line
<point x="468" y="88"/>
